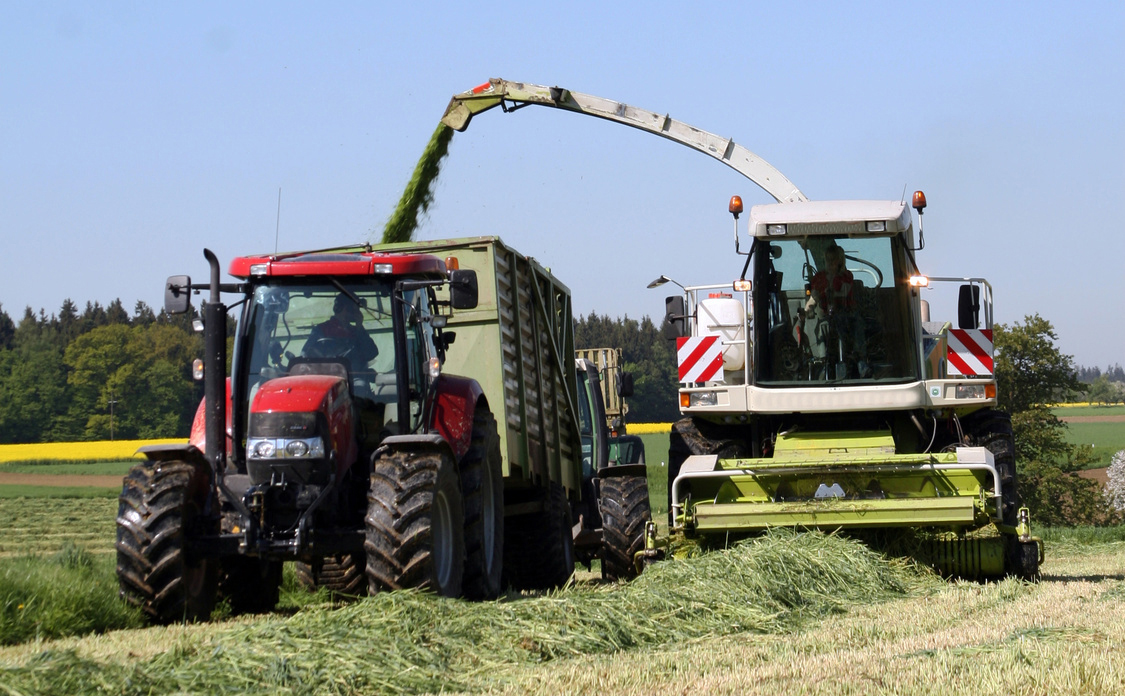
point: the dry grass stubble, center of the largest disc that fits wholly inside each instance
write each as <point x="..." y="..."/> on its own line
<point x="1065" y="635"/>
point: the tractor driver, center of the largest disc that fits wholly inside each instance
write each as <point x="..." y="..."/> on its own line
<point x="832" y="303"/>
<point x="342" y="335"/>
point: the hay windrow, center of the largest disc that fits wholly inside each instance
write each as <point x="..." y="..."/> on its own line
<point x="419" y="192"/>
<point x="410" y="642"/>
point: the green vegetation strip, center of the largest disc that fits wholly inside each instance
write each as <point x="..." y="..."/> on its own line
<point x="419" y="193"/>
<point x="406" y="642"/>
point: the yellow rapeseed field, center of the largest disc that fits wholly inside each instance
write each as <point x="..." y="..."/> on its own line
<point x="105" y="450"/>
<point x="649" y="428"/>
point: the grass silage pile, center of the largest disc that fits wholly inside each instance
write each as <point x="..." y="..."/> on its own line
<point x="410" y="641"/>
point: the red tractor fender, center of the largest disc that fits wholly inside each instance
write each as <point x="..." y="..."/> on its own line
<point x="199" y="424"/>
<point x="455" y="404"/>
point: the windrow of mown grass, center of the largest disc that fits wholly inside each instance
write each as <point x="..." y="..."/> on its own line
<point x="410" y="642"/>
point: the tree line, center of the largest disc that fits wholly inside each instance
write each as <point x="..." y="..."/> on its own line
<point x="96" y="374"/>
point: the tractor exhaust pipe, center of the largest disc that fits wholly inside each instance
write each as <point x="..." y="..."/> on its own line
<point x="215" y="363"/>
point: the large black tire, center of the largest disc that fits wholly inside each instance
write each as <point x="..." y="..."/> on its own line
<point x="159" y="511"/>
<point x="250" y="585"/>
<point x="415" y="526"/>
<point x="343" y="575"/>
<point x="993" y="430"/>
<point x="690" y="437"/>
<point x="625" y="511"/>
<point x="539" y="547"/>
<point x="482" y="495"/>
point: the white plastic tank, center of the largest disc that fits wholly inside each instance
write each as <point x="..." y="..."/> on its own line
<point x="724" y="316"/>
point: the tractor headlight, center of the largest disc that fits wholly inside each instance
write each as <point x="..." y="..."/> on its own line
<point x="285" y="448"/>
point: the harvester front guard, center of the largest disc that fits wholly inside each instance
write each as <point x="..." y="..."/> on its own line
<point x="855" y="481"/>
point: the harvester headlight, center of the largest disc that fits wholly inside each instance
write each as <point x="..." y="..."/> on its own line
<point x="775" y="230"/>
<point x="919" y="281"/>
<point x="708" y="398"/>
<point x="970" y="391"/>
<point x="876" y="225"/>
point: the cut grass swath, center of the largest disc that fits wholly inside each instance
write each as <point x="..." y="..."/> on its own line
<point x="410" y="642"/>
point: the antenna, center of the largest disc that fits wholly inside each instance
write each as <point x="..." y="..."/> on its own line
<point x="277" y="232"/>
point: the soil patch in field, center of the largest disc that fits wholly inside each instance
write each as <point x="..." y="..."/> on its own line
<point x="65" y="480"/>
<point x="1099" y="475"/>
<point x="1092" y="419"/>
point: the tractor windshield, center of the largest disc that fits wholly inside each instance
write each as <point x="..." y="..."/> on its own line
<point x="347" y="330"/>
<point x="833" y="310"/>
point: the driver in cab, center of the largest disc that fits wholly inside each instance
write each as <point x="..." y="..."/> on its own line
<point x="342" y="335"/>
<point x="832" y="304"/>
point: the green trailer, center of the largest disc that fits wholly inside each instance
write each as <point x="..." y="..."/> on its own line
<point x="564" y="499"/>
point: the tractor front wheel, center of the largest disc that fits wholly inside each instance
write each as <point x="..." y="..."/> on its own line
<point x="415" y="526"/>
<point x="159" y="512"/>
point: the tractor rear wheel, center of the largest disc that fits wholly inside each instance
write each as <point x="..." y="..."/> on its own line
<point x="343" y="575"/>
<point x="160" y="511"/>
<point x="415" y="526"/>
<point x="482" y="493"/>
<point x="625" y="510"/>
<point x="539" y="547"/>
<point x="251" y="585"/>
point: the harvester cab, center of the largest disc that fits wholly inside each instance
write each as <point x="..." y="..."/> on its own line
<point x="336" y="418"/>
<point x="818" y="393"/>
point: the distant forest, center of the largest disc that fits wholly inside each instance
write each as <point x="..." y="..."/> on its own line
<point x="104" y="372"/>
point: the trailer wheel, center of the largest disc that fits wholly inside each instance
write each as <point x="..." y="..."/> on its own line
<point x="482" y="492"/>
<point x="539" y="548"/>
<point x="625" y="510"/>
<point x="343" y="575"/>
<point x="415" y="527"/>
<point x="160" y="510"/>
<point x="251" y="585"/>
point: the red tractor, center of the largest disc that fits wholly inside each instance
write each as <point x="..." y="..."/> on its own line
<point x="336" y="442"/>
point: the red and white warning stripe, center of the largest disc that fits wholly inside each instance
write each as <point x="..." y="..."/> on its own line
<point x="970" y="352"/>
<point x="700" y="358"/>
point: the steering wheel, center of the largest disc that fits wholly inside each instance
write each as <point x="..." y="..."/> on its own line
<point x="870" y="269"/>
<point x="329" y="348"/>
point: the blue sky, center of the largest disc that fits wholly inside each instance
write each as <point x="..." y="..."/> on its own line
<point x="132" y="135"/>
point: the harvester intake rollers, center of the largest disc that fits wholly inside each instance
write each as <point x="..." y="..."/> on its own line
<point x="482" y="496"/>
<point x="415" y="525"/>
<point x="343" y="575"/>
<point x="250" y="585"/>
<point x="159" y="510"/>
<point x="539" y="547"/>
<point x="625" y="510"/>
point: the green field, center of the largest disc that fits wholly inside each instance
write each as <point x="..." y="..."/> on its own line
<point x="1104" y="438"/>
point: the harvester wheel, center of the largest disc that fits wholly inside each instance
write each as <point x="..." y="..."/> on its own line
<point x="160" y="510"/>
<point x="689" y="437"/>
<point x="251" y="585"/>
<point x="415" y="527"/>
<point x="993" y="430"/>
<point x="343" y="575"/>
<point x="1022" y="559"/>
<point x="539" y="547"/>
<point x="482" y="493"/>
<point x="625" y="510"/>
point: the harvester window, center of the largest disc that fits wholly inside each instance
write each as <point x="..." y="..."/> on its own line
<point x="838" y="311"/>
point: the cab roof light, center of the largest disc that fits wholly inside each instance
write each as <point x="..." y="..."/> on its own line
<point x="919" y="281"/>
<point x="775" y="230"/>
<point x="919" y="201"/>
<point x="260" y="269"/>
<point x="452" y="264"/>
<point x="735" y="208"/>
<point x="385" y="268"/>
<point x="876" y="225"/>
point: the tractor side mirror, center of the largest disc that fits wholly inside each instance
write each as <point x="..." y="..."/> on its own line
<point x="968" y="307"/>
<point x="177" y="294"/>
<point x="675" y="317"/>
<point x="625" y="385"/>
<point x="463" y="289"/>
